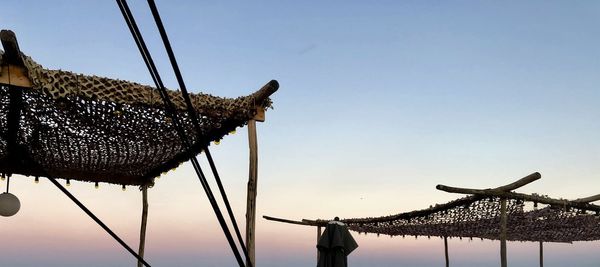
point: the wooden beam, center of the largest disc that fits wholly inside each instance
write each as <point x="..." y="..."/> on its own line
<point x="12" y="53"/>
<point x="588" y="199"/>
<point x="14" y="75"/>
<point x="252" y="192"/>
<point x="512" y="195"/>
<point x="521" y="182"/>
<point x="275" y="219"/>
<point x="144" y="223"/>
<point x="260" y="114"/>
<point x="318" y="238"/>
<point x="265" y="91"/>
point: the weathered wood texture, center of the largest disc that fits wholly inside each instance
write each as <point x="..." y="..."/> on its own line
<point x="588" y="199"/>
<point x="12" y="53"/>
<point x="563" y="203"/>
<point x="252" y="192"/>
<point x="521" y="182"/>
<point x="144" y="223"/>
<point x="275" y="219"/>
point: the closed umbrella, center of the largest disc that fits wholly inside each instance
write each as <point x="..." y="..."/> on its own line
<point x="335" y="245"/>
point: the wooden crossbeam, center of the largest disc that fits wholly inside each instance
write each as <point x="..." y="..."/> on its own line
<point x="521" y="182"/>
<point x="512" y="195"/>
<point x="588" y="199"/>
<point x="270" y="218"/>
<point x="12" y="53"/>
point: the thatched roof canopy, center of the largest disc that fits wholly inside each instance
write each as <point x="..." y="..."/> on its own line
<point x="96" y="129"/>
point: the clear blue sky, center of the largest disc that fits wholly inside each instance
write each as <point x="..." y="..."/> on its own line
<point x="379" y="102"/>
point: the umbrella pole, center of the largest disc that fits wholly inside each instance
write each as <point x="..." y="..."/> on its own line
<point x="144" y="223"/>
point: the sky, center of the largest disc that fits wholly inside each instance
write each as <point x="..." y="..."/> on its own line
<point x="379" y="102"/>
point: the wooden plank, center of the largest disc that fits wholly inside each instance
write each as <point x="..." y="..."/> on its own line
<point x="14" y="75"/>
<point x="260" y="114"/>
<point x="503" y="226"/>
<point x="252" y="192"/>
<point x="144" y="223"/>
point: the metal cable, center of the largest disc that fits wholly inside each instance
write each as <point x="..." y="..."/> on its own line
<point x="171" y="110"/>
<point x="195" y="121"/>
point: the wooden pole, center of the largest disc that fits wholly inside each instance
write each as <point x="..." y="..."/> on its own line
<point x="512" y="195"/>
<point x="588" y="199"/>
<point x="503" y="222"/>
<point x="541" y="254"/>
<point x="446" y="251"/>
<point x="144" y="223"/>
<point x="318" y="237"/>
<point x="251" y="197"/>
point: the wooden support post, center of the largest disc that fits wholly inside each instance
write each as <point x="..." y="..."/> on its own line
<point x="503" y="222"/>
<point x="12" y="53"/>
<point x="446" y="251"/>
<point x="541" y="254"/>
<point x="318" y="238"/>
<point x="251" y="197"/>
<point x="144" y="223"/>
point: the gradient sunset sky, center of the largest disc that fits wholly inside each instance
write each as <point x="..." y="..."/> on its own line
<point x="379" y="102"/>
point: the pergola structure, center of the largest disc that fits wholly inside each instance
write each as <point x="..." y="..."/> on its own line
<point x="64" y="125"/>
<point x="496" y="214"/>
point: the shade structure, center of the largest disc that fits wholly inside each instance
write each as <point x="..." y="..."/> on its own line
<point x="96" y="129"/>
<point x="530" y="217"/>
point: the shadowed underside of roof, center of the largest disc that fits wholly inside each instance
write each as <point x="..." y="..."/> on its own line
<point x="96" y="129"/>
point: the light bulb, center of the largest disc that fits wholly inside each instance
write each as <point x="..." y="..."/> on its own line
<point x="97" y="185"/>
<point x="124" y="188"/>
<point x="68" y="182"/>
<point x="37" y="180"/>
